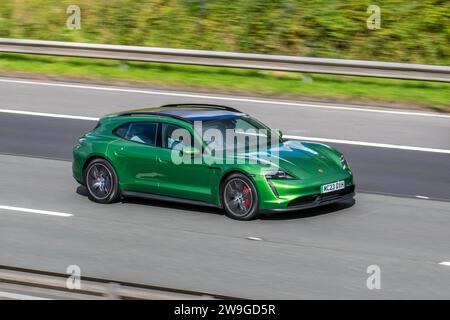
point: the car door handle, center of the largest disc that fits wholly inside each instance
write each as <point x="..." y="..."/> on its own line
<point x="162" y="160"/>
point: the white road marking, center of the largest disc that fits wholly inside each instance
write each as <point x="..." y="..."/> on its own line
<point x="251" y="100"/>
<point x="422" y="197"/>
<point x="360" y="143"/>
<point x="445" y="263"/>
<point x="51" y="115"/>
<point x="255" y="238"/>
<point x="26" y="210"/>
<point x="18" y="296"/>
<point x="369" y="144"/>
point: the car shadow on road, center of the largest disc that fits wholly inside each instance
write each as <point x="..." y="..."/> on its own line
<point x="312" y="212"/>
<point x="81" y="190"/>
<point x="300" y="214"/>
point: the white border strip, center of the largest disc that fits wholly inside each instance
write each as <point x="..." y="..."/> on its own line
<point x="369" y="144"/>
<point x="250" y="100"/>
<point x="44" y="212"/>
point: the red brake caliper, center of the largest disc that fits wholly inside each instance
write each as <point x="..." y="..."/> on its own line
<point x="247" y="201"/>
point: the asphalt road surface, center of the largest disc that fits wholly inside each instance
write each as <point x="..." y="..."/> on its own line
<point x="399" y="222"/>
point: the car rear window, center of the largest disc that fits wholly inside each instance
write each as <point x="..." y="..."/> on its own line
<point x="122" y="130"/>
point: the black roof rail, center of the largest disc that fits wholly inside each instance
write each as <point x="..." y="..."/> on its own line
<point x="148" y="113"/>
<point x="201" y="105"/>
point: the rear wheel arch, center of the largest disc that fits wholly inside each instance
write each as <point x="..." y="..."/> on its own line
<point x="92" y="158"/>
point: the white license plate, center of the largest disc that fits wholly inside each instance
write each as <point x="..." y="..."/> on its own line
<point x="333" y="186"/>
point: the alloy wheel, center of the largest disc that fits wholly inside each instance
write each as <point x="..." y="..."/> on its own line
<point x="238" y="197"/>
<point x="99" y="181"/>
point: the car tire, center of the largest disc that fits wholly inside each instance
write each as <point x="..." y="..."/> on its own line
<point x="239" y="197"/>
<point x="101" y="181"/>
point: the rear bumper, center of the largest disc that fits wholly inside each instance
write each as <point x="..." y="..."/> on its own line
<point x="317" y="200"/>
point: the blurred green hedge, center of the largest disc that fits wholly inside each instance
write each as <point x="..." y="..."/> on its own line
<point x="411" y="31"/>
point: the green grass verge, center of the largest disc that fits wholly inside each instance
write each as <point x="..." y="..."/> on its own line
<point x="379" y="91"/>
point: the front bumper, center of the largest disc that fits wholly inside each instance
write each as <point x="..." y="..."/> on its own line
<point x="306" y="202"/>
<point x="291" y="195"/>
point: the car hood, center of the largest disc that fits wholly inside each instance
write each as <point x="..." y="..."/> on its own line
<point x="301" y="159"/>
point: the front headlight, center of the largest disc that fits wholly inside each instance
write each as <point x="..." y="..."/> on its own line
<point x="344" y="162"/>
<point x="279" y="174"/>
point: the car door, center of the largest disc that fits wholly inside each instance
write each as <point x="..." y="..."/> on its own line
<point x="135" y="156"/>
<point x="183" y="180"/>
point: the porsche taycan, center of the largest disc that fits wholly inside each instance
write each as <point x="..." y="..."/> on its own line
<point x="208" y="155"/>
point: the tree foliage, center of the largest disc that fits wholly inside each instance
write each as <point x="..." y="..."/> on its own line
<point x="411" y="31"/>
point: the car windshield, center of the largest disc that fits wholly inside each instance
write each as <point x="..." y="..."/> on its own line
<point x="237" y="133"/>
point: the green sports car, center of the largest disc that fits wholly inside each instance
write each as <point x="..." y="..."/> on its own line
<point x="210" y="155"/>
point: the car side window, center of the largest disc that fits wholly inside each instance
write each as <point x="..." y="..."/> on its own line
<point x="122" y="130"/>
<point x="141" y="132"/>
<point x="172" y="138"/>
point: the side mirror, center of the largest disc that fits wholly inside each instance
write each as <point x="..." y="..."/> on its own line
<point x="279" y="132"/>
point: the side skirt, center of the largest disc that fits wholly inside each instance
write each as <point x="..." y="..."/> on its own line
<point x="152" y="196"/>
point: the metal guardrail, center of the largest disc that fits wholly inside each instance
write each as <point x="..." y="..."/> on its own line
<point x="40" y="283"/>
<point x="230" y="59"/>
